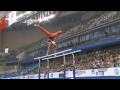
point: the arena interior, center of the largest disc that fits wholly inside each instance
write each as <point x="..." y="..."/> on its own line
<point x="93" y="38"/>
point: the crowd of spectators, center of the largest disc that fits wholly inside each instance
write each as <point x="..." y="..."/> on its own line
<point x="8" y="56"/>
<point x="2" y="57"/>
<point x="83" y="61"/>
<point x="94" y="21"/>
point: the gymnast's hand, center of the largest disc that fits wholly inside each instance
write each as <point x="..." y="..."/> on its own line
<point x="35" y="24"/>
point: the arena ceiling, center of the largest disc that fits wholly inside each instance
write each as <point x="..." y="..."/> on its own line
<point x="14" y="26"/>
<point x="2" y="13"/>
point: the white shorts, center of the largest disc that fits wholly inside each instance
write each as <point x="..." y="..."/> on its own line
<point x="53" y="42"/>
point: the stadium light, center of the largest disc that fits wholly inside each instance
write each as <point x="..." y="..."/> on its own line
<point x="21" y="15"/>
<point x="39" y="20"/>
<point x="32" y="21"/>
<point x="28" y="12"/>
<point x="47" y="18"/>
<point x="52" y="16"/>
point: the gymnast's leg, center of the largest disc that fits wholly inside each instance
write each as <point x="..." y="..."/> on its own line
<point x="44" y="30"/>
<point x="49" y="45"/>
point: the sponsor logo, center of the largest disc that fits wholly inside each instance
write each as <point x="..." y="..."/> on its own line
<point x="51" y="74"/>
<point x="100" y="73"/>
<point x="93" y="71"/>
<point x="80" y="72"/>
<point x="116" y="71"/>
<point x="31" y="77"/>
<point x="61" y="75"/>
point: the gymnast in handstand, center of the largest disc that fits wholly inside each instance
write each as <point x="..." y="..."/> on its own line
<point x="51" y="37"/>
